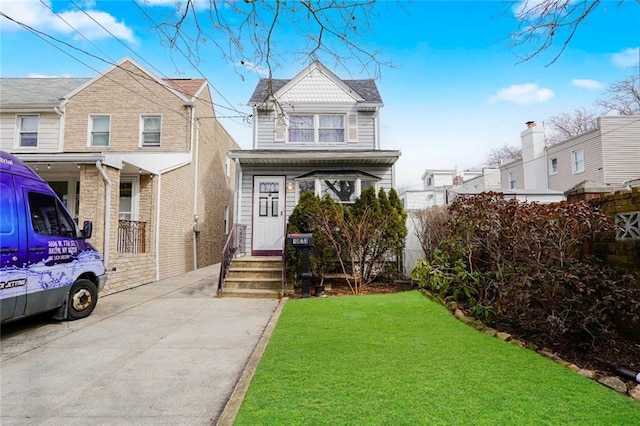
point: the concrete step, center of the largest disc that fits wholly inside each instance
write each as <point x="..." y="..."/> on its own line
<point x="257" y="262"/>
<point x="243" y="272"/>
<point x="251" y="293"/>
<point x="254" y="282"/>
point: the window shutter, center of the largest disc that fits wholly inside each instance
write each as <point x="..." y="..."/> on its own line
<point x="280" y="128"/>
<point x="352" y="130"/>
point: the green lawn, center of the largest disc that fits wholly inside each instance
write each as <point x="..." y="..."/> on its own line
<point x="402" y="359"/>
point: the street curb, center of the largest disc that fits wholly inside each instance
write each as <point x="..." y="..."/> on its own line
<point x="232" y="406"/>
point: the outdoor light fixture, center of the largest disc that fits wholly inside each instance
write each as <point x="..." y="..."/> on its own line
<point x="48" y="166"/>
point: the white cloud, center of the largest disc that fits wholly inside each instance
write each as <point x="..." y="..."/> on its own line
<point x="627" y="58"/>
<point x="586" y="83"/>
<point x="523" y="94"/>
<point x="37" y="15"/>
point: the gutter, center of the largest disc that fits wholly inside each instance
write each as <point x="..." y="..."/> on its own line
<point x="107" y="213"/>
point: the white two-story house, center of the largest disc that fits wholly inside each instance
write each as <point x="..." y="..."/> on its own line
<point x="315" y="132"/>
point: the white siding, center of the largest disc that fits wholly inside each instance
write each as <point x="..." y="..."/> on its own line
<point x="385" y="173"/>
<point x="515" y="167"/>
<point x="621" y="148"/>
<point x="48" y="132"/>
<point x="565" y="178"/>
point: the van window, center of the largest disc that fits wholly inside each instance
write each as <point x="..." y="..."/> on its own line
<point x="48" y="216"/>
<point x="7" y="218"/>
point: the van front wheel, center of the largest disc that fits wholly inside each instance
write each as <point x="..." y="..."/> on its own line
<point x="82" y="299"/>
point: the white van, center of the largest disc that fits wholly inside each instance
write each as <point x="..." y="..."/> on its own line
<point x="46" y="263"/>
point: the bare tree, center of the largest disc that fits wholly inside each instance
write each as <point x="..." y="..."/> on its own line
<point x="430" y="228"/>
<point x="505" y="152"/>
<point x="623" y="96"/>
<point x="566" y="125"/>
<point x="543" y="23"/>
<point x="261" y="35"/>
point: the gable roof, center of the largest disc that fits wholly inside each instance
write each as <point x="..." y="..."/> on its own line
<point x="187" y="86"/>
<point x="364" y="88"/>
<point x="36" y="93"/>
<point x="170" y="87"/>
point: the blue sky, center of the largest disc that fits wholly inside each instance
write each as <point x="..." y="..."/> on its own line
<point x="455" y="91"/>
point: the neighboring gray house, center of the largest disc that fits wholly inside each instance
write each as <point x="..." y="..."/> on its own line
<point x="610" y="155"/>
<point x="314" y="132"/>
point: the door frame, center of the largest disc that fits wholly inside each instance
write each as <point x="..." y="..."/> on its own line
<point x="254" y="206"/>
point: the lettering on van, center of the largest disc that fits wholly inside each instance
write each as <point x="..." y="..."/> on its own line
<point x="62" y="249"/>
<point x="13" y="283"/>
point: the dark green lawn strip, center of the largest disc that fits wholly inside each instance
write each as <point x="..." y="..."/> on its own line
<point x="402" y="359"/>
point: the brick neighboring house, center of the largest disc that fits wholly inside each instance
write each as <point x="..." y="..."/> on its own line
<point x="143" y="158"/>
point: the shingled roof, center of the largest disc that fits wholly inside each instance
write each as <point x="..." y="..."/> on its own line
<point x="367" y="89"/>
<point x="36" y="92"/>
<point x="186" y="86"/>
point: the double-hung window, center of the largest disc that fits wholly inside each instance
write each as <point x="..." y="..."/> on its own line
<point x="99" y="131"/>
<point x="28" y="131"/>
<point x="307" y="128"/>
<point x="151" y="126"/>
<point x="553" y="166"/>
<point x="577" y="161"/>
<point x="301" y="128"/>
<point x="513" y="182"/>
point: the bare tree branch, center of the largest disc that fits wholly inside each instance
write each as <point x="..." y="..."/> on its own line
<point x="565" y="125"/>
<point x="623" y="96"/>
<point x="505" y="152"/>
<point x="543" y="23"/>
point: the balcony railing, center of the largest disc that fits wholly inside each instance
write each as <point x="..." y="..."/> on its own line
<point x="132" y="236"/>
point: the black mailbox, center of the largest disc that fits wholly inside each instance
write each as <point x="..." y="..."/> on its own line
<point x="300" y="240"/>
<point x="303" y="243"/>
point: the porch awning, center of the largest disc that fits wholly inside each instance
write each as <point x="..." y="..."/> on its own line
<point x="349" y="158"/>
<point x="335" y="174"/>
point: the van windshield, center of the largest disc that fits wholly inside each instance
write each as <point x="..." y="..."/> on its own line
<point x="48" y="216"/>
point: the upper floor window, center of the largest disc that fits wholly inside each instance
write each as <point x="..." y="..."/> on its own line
<point x="151" y="126"/>
<point x="99" y="131"/>
<point x="28" y="131"/>
<point x="227" y="166"/>
<point x="225" y="221"/>
<point x="553" y="166"/>
<point x="513" y="183"/>
<point x="317" y="128"/>
<point x="577" y="161"/>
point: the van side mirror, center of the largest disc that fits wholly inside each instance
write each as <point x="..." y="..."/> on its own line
<point x="87" y="229"/>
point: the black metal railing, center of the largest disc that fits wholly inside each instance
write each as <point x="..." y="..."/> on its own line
<point x="132" y="236"/>
<point x="236" y="243"/>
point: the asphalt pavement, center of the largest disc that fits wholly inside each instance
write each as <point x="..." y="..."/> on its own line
<point x="165" y="353"/>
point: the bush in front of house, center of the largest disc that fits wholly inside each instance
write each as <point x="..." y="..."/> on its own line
<point x="530" y="266"/>
<point x="360" y="238"/>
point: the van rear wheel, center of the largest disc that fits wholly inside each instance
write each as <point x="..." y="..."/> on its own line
<point x="82" y="299"/>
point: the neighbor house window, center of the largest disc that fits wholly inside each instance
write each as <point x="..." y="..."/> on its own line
<point x="99" y="131"/>
<point x="225" y="220"/>
<point x="512" y="180"/>
<point x="317" y="128"/>
<point x="28" y="125"/>
<point x="553" y="166"/>
<point x="577" y="160"/>
<point x="151" y="126"/>
<point x="227" y="166"/>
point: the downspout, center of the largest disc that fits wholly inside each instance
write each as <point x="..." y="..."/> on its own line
<point x="107" y="213"/>
<point x="60" y="130"/>
<point x="195" y="128"/>
<point x="377" y="120"/>
<point x="255" y="127"/>
<point x="157" y="248"/>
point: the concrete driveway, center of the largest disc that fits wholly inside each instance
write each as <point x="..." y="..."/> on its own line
<point x="166" y="353"/>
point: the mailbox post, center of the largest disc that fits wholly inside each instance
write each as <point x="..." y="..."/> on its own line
<point x="303" y="243"/>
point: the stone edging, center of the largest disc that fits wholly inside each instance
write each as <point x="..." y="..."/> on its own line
<point x="612" y="382"/>
<point x="232" y="406"/>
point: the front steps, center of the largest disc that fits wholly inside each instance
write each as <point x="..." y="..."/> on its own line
<point x="254" y="276"/>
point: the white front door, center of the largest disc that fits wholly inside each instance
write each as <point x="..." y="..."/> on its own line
<point x="268" y="213"/>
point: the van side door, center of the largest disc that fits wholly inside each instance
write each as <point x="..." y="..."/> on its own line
<point x="52" y="238"/>
<point x="13" y="257"/>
